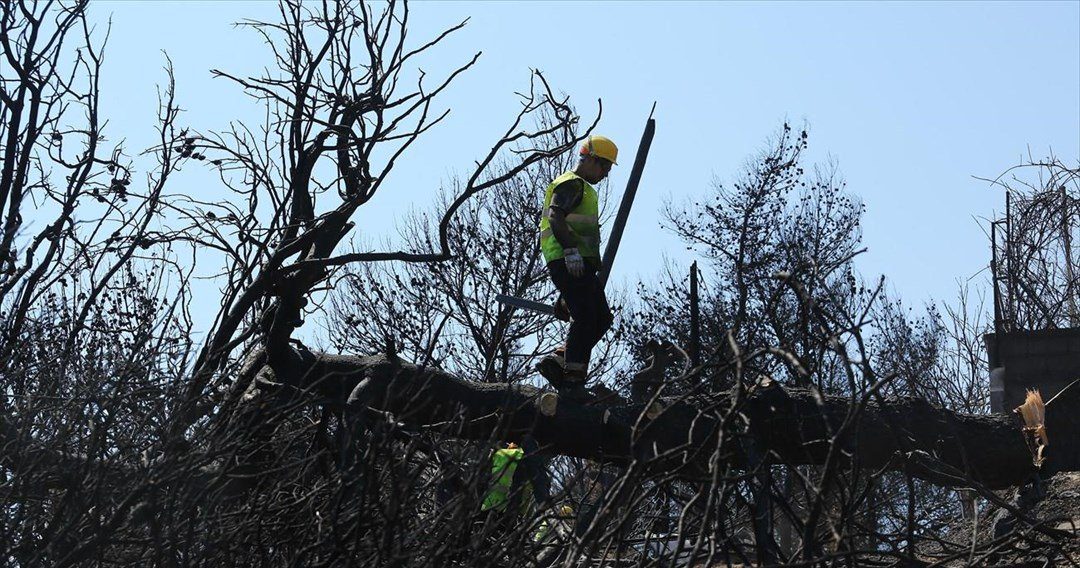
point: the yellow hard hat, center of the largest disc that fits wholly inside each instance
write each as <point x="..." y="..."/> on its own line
<point x="566" y="511"/>
<point x="601" y="147"/>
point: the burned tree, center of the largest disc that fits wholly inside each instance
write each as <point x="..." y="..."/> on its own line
<point x="103" y="384"/>
<point x="125" y="442"/>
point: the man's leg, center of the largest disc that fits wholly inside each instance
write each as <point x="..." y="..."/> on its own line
<point x="581" y="300"/>
<point x="601" y="315"/>
<point x="578" y="295"/>
<point x="534" y="466"/>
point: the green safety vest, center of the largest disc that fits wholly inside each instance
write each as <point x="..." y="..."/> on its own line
<point x="503" y="465"/>
<point x="584" y="223"/>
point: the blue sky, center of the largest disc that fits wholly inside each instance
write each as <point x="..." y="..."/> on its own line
<point x="911" y="100"/>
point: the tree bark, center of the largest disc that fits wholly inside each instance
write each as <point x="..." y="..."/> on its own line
<point x="692" y="437"/>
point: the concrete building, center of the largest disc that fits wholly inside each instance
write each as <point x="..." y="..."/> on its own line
<point x="1048" y="360"/>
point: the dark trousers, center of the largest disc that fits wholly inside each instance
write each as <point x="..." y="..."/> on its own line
<point x="590" y="316"/>
<point x="533" y="466"/>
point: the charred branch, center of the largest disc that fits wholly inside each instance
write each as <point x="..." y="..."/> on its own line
<point x="692" y="437"/>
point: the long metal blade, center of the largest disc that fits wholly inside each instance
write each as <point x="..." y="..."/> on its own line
<point x="526" y="304"/>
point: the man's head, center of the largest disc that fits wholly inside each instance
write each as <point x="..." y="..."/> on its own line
<point x="598" y="154"/>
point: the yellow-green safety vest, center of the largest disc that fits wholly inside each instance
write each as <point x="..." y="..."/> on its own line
<point x="503" y="465"/>
<point x="584" y="222"/>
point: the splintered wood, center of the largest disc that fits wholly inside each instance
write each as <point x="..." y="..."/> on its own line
<point x="1033" y="412"/>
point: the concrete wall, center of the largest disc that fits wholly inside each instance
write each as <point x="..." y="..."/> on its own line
<point x="1047" y="360"/>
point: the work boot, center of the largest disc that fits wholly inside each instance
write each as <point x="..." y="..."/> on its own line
<point x="551" y="368"/>
<point x="573" y="382"/>
<point x="574" y="372"/>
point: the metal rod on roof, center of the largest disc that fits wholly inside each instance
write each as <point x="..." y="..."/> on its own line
<point x="1070" y="280"/>
<point x="995" y="277"/>
<point x="1010" y="296"/>
<point x="695" y="319"/>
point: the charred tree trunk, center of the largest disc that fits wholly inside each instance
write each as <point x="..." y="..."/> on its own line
<point x="795" y="426"/>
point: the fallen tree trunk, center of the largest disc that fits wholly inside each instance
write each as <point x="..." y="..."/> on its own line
<point x="692" y="437"/>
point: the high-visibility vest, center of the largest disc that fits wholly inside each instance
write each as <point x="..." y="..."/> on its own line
<point x="503" y="465"/>
<point x="584" y="222"/>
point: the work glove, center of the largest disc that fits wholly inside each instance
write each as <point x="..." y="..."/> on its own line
<point x="575" y="265"/>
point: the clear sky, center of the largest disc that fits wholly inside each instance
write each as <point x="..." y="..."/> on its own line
<point x="911" y="99"/>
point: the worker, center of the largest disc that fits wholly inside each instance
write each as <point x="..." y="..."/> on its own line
<point x="555" y="537"/>
<point x="504" y="464"/>
<point x="570" y="242"/>
<point x="516" y="479"/>
<point x="563" y="522"/>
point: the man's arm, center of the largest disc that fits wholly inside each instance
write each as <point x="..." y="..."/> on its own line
<point x="567" y="196"/>
<point x="560" y="229"/>
<point x="575" y="265"/>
